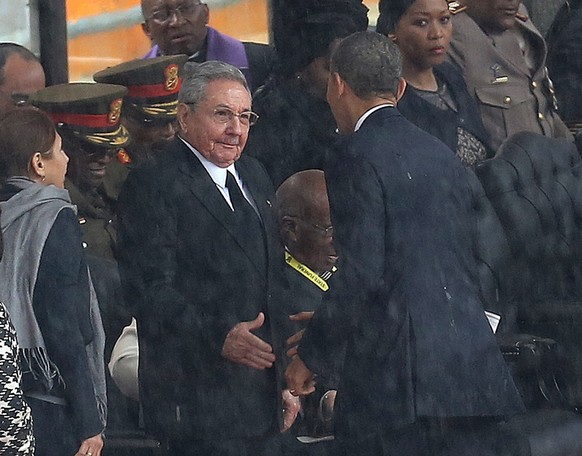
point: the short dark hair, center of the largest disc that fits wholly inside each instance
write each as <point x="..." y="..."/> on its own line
<point x="23" y="132"/>
<point x="369" y="63"/>
<point x="8" y="49"/>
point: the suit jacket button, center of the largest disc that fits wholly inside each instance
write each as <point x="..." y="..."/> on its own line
<point x="507" y="100"/>
<point x="540" y="116"/>
<point x="534" y="84"/>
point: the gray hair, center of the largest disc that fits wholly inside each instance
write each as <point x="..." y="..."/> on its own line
<point x="197" y="76"/>
<point x="370" y="63"/>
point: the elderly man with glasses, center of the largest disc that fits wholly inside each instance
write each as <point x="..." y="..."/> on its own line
<point x="199" y="260"/>
<point x="181" y="27"/>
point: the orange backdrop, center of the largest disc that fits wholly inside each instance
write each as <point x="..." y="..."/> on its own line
<point x="244" y="19"/>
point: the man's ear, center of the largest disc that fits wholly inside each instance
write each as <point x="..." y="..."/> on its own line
<point x="401" y="89"/>
<point x="206" y="13"/>
<point x="288" y="228"/>
<point x="146" y="29"/>
<point x="182" y="116"/>
<point x="341" y="84"/>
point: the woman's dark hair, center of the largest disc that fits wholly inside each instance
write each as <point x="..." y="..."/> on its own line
<point x="303" y="30"/>
<point x="23" y="132"/>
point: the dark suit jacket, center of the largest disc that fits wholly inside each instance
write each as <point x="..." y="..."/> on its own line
<point x="418" y="341"/>
<point x="190" y="278"/>
<point x="565" y="61"/>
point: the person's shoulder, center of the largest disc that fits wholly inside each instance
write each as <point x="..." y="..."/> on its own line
<point x="464" y="26"/>
<point x="166" y="159"/>
<point x="258" y="48"/>
<point x="450" y="73"/>
<point x="252" y="164"/>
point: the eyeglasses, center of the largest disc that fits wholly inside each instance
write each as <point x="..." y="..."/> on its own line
<point x="18" y="99"/>
<point x="225" y="115"/>
<point x="324" y="231"/>
<point x="164" y="15"/>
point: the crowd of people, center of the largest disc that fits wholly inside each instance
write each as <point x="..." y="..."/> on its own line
<point x="250" y="250"/>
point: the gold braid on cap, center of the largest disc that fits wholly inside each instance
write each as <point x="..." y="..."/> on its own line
<point x="114" y="138"/>
<point x="169" y="108"/>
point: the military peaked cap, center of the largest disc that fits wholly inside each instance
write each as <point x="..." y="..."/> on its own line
<point x="152" y="84"/>
<point x="87" y="111"/>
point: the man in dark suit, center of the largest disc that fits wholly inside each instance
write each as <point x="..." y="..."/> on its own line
<point x="198" y="252"/>
<point x="422" y="372"/>
<point x="181" y="27"/>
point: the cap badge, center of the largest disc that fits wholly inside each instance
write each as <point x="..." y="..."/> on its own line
<point x="171" y="74"/>
<point x="114" y="111"/>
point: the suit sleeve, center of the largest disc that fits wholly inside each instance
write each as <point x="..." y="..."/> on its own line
<point x="358" y="217"/>
<point x="148" y="243"/>
<point x="61" y="307"/>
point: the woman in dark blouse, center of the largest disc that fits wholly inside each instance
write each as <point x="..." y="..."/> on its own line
<point x="47" y="291"/>
<point x="436" y="98"/>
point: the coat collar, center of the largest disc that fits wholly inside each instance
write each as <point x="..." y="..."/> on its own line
<point x="204" y="189"/>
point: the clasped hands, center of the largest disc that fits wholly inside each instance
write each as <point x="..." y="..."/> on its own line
<point x="300" y="380"/>
<point x="243" y="347"/>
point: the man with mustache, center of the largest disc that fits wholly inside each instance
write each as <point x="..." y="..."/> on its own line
<point x="503" y="58"/>
<point x="198" y="255"/>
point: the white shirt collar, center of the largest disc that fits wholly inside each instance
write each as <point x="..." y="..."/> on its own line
<point x="217" y="174"/>
<point x="369" y="112"/>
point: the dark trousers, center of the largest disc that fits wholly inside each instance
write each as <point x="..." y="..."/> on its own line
<point x="52" y="428"/>
<point x="267" y="446"/>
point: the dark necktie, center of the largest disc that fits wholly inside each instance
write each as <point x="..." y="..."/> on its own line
<point x="249" y="224"/>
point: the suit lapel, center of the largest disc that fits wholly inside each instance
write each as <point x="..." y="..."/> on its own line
<point x="204" y="189"/>
<point x="264" y="205"/>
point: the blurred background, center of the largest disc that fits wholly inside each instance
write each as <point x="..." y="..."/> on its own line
<point x="76" y="38"/>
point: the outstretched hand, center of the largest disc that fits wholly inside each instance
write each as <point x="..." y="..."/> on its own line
<point x="243" y="347"/>
<point x="294" y="340"/>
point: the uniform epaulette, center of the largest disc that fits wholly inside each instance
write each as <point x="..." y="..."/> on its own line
<point x="522" y="17"/>
<point x="455" y="7"/>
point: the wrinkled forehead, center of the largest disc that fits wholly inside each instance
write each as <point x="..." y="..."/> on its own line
<point x="148" y="6"/>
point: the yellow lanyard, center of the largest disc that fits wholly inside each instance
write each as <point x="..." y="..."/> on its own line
<point x="306" y="272"/>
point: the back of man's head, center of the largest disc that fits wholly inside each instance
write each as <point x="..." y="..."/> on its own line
<point x="301" y="193"/>
<point x="9" y="49"/>
<point x="369" y="63"/>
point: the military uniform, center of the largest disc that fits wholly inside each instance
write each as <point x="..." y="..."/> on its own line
<point x="95" y="213"/>
<point x="88" y="117"/>
<point x="152" y="100"/>
<point x="506" y="74"/>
